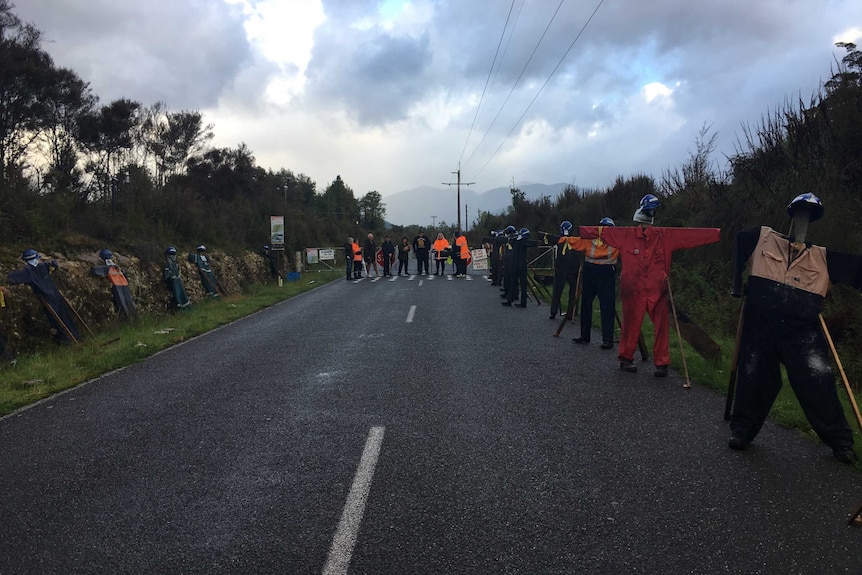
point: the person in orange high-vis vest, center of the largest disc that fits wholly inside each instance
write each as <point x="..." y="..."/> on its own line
<point x="348" y="258"/>
<point x="123" y="302"/>
<point x="442" y="250"/>
<point x="461" y="256"/>
<point x="357" y="260"/>
<point x="645" y="254"/>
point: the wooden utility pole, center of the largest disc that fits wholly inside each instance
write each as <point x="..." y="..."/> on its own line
<point x="459" y="184"/>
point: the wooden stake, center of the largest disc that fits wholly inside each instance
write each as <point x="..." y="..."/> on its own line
<point x="572" y="312"/>
<point x="687" y="384"/>
<point x="57" y="319"/>
<point x="734" y="363"/>
<point x="77" y="315"/>
<point x="841" y="370"/>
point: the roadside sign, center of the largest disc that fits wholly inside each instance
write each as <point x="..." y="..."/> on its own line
<point x="276" y="233"/>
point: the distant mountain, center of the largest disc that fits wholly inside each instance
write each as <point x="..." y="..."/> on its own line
<point x="418" y="205"/>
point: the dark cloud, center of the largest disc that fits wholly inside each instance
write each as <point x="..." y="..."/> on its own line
<point x="578" y="116"/>
<point x="183" y="53"/>
<point x="376" y="79"/>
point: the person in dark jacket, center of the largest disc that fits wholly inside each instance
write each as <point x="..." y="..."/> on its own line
<point x="403" y="255"/>
<point x="422" y="249"/>
<point x="37" y="274"/>
<point x="788" y="279"/>
<point x="387" y="250"/>
<point x="369" y="255"/>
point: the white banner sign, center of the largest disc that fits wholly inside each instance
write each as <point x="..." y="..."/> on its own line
<point x="326" y="254"/>
<point x="480" y="259"/>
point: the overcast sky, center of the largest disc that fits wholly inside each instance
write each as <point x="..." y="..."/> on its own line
<point x="395" y="94"/>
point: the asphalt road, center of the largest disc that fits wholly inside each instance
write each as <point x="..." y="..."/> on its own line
<point x="408" y="427"/>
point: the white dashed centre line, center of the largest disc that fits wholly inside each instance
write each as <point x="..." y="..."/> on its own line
<point x="411" y="313"/>
<point x="348" y="527"/>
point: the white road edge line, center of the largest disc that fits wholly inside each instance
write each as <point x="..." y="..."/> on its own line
<point x="348" y="527"/>
<point x="411" y="313"/>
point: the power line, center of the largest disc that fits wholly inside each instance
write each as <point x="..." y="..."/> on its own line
<point x="488" y="79"/>
<point x="509" y="41"/>
<point x="554" y="71"/>
<point x="515" y="85"/>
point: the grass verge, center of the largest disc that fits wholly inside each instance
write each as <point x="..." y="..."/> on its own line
<point x="40" y="375"/>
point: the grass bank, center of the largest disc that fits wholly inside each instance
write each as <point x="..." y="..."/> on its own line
<point x="40" y="375"/>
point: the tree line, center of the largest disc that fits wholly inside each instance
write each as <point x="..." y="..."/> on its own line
<point x="126" y="173"/>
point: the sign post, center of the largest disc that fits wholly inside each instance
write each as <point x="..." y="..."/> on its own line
<point x="276" y="233"/>
<point x="276" y="241"/>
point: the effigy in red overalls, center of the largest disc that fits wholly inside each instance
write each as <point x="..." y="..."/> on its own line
<point x="645" y="256"/>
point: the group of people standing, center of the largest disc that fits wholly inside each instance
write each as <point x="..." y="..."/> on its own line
<point x="364" y="258"/>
